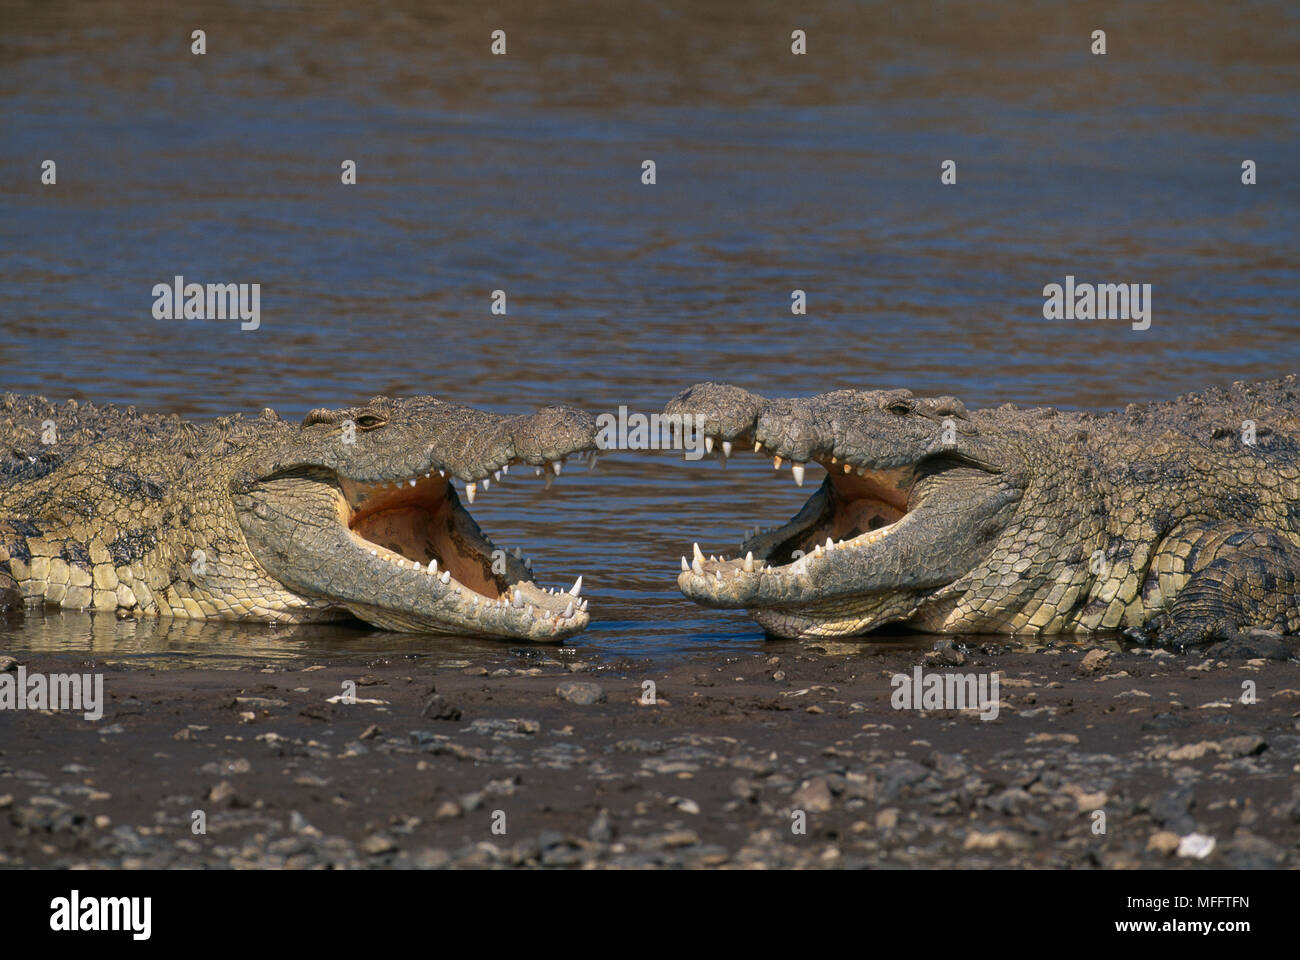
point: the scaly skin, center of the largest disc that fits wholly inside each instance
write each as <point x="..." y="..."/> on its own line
<point x="1157" y="518"/>
<point x="264" y="519"/>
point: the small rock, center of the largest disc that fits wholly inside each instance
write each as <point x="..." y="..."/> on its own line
<point x="377" y="843"/>
<point x="439" y="708"/>
<point x="226" y="768"/>
<point x="259" y="703"/>
<point x="1256" y="643"/>
<point x="1192" y="751"/>
<point x="1246" y="745"/>
<point x="1196" y="846"/>
<point x="1052" y="738"/>
<point x="979" y="840"/>
<point x="371" y="732"/>
<point x="1091" y="801"/>
<point x="1094" y="661"/>
<point x="600" y="830"/>
<point x="580" y="693"/>
<point x="298" y="823"/>
<point x="945" y="655"/>
<point x="223" y="794"/>
<point x="743" y="790"/>
<point x="1163" y="842"/>
<point x="813" y="796"/>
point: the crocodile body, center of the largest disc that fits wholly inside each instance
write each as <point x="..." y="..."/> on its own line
<point x="1178" y="520"/>
<point x="350" y="513"/>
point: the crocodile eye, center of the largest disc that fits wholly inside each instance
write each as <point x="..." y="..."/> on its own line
<point x="899" y="406"/>
<point x="368" y="421"/>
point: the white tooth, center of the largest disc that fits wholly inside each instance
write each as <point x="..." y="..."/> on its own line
<point x="699" y="554"/>
<point x="446" y="576"/>
<point x="486" y="483"/>
<point x="592" y="465"/>
<point x="568" y="611"/>
<point x="848" y="468"/>
<point x="776" y="463"/>
<point x="817" y="551"/>
<point x="471" y="489"/>
<point x="708" y="444"/>
<point x="505" y="468"/>
<point x="556" y="465"/>
<point x="830" y="544"/>
<point x="749" y="563"/>
<point x="697" y="569"/>
<point x="726" y="448"/>
<point x="797" y="470"/>
<point x="583" y="606"/>
<point x="496" y="475"/>
<point x="374" y="553"/>
<point x="576" y="589"/>
<point x="718" y="574"/>
<point x="442" y="473"/>
<point x="433" y="565"/>
<point x="519" y="599"/>
<point x="411" y="482"/>
<point x="685" y="566"/>
<point x="518" y="553"/>
<point x="758" y="447"/>
<point x="528" y="611"/>
<point x="458" y="591"/>
<point x="427" y="475"/>
<point x="528" y="563"/>
<point x="537" y="471"/>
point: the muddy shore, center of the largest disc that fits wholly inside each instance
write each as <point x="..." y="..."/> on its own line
<point x="1098" y="758"/>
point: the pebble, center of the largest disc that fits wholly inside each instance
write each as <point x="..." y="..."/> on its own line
<point x="814" y="796"/>
<point x="1094" y="661"/>
<point x="1196" y="846"/>
<point x="580" y="693"/>
<point x="439" y="708"/>
<point x="378" y="843"/>
<point x="1163" y="842"/>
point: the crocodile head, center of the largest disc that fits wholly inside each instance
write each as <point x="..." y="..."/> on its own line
<point x="355" y="508"/>
<point x="915" y="496"/>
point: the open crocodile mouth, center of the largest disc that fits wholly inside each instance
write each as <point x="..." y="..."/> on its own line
<point x="857" y="506"/>
<point x="417" y="527"/>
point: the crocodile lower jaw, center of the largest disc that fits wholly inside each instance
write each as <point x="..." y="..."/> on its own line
<point x="417" y="524"/>
<point x="862" y="507"/>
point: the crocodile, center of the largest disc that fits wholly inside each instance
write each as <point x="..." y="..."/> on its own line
<point x="349" y="514"/>
<point x="1175" y="522"/>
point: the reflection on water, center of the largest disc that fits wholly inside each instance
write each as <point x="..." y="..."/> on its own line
<point x="522" y="173"/>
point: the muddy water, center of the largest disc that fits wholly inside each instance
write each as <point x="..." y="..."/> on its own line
<point x="523" y="173"/>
